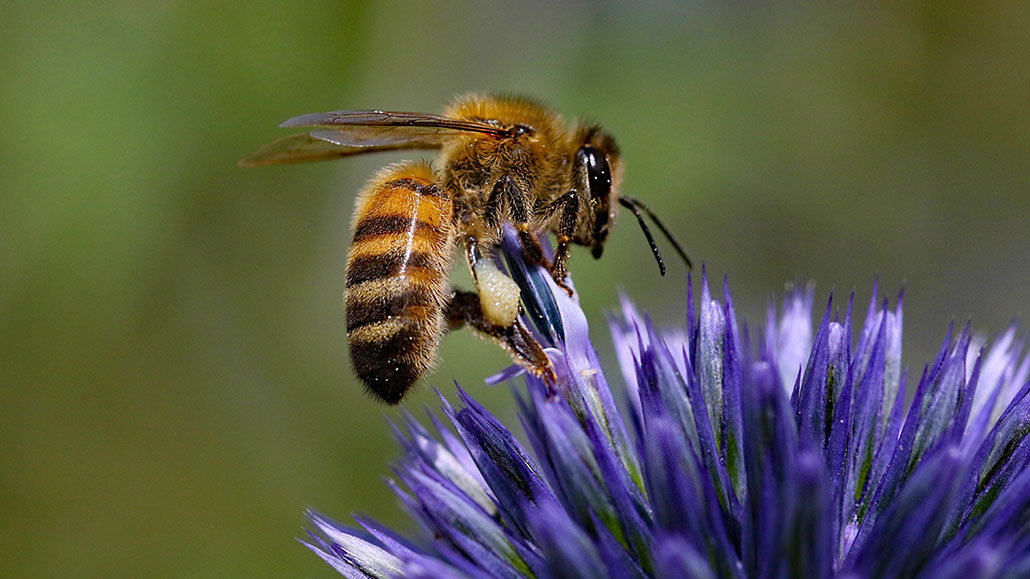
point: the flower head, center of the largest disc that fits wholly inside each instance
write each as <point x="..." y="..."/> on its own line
<point x="715" y="457"/>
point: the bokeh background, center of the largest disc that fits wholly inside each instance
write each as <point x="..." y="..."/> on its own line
<point x="172" y="352"/>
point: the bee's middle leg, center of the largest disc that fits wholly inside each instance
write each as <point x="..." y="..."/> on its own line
<point x="507" y="191"/>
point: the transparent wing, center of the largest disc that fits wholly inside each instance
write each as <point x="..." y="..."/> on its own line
<point x="354" y="132"/>
<point x="304" y="147"/>
<point x="409" y="123"/>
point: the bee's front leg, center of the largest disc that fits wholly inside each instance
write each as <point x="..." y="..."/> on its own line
<point x="568" y="204"/>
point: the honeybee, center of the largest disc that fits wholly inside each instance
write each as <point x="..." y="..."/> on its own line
<point x="502" y="159"/>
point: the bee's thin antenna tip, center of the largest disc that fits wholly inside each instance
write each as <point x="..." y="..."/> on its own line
<point x="635" y="206"/>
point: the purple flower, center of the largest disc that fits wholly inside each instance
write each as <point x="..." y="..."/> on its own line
<point x="713" y="456"/>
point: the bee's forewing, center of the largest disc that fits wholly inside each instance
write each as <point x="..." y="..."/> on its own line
<point x="355" y="132"/>
<point x="411" y="123"/>
<point x="325" y="145"/>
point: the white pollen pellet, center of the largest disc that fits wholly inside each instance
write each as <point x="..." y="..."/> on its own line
<point x="498" y="294"/>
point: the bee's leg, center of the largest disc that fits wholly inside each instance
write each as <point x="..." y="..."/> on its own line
<point x="506" y="190"/>
<point x="499" y="295"/>
<point x="568" y="204"/>
<point x="493" y="312"/>
<point x="532" y="251"/>
<point x="466" y="308"/>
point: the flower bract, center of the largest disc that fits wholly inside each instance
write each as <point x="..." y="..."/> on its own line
<point x="717" y="452"/>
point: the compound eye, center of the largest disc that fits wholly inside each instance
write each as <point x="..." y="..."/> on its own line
<point x="599" y="175"/>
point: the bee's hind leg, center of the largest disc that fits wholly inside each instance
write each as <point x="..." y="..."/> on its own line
<point x="465" y="309"/>
<point x="492" y="311"/>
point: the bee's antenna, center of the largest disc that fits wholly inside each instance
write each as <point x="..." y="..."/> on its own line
<point x="629" y="204"/>
<point x="636" y="206"/>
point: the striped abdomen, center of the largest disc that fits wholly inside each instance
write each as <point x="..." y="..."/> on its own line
<point x="397" y="284"/>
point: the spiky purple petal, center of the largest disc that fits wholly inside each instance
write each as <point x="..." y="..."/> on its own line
<point x="798" y="458"/>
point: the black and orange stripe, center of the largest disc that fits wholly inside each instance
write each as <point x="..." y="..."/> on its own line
<point x="397" y="278"/>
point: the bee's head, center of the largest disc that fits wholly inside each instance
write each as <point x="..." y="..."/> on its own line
<point x="598" y="172"/>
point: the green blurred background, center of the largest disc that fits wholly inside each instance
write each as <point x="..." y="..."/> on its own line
<point x="172" y="356"/>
